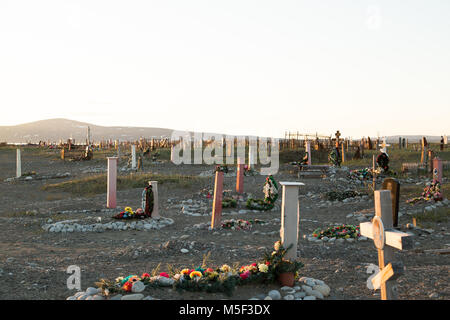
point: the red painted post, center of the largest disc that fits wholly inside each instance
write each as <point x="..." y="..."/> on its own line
<point x="217" y="202"/>
<point x="240" y="176"/>
<point x="437" y="170"/>
<point x="111" y="182"/>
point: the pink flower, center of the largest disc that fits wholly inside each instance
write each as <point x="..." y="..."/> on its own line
<point x="164" y="274"/>
<point x="245" y="275"/>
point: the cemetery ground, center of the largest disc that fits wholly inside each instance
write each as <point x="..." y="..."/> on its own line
<point x="33" y="262"/>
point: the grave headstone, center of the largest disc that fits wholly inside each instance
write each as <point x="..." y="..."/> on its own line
<point x="385" y="239"/>
<point x="111" y="183"/>
<point x="290" y="217"/>
<point x="394" y="187"/>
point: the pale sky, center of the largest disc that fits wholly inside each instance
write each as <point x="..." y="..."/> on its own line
<point x="238" y="67"/>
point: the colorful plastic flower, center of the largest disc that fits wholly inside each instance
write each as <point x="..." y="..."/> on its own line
<point x="185" y="271"/>
<point x="195" y="274"/>
<point x="127" y="286"/>
<point x="263" y="268"/>
<point x="225" y="268"/>
<point x="245" y="275"/>
<point x="164" y="274"/>
<point x="145" y="275"/>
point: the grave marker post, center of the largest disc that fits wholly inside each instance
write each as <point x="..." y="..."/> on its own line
<point x="217" y="202"/>
<point x="308" y="151"/>
<point x="155" y="212"/>
<point x="133" y="156"/>
<point x="18" y="164"/>
<point x="394" y="187"/>
<point x="290" y="217"/>
<point x="385" y="239"/>
<point x="111" y="183"/>
<point x="240" y="176"/>
<point x="437" y="170"/>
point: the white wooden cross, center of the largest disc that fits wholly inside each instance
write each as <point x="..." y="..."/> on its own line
<point x="384" y="145"/>
<point x="385" y="238"/>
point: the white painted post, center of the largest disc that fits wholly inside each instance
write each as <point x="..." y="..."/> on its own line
<point x="133" y="156"/>
<point x="18" y="164"/>
<point x="290" y="217"/>
<point x="155" y="212"/>
<point x="171" y="154"/>
<point x="252" y="149"/>
<point x="111" y="182"/>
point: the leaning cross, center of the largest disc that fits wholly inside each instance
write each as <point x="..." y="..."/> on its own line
<point x="385" y="239"/>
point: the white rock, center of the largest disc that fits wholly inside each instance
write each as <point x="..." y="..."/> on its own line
<point x="309" y="298"/>
<point x="268" y="298"/>
<point x="274" y="294"/>
<point x="299" y="295"/>
<point x="184" y="250"/>
<point x="323" y="289"/>
<point x="98" y="297"/>
<point x="137" y="287"/>
<point x="317" y="294"/>
<point x="288" y="297"/>
<point x="91" y="291"/>
<point x="166" y="282"/>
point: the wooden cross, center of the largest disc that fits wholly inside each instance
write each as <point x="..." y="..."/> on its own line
<point x="337" y="134"/>
<point x="385" y="239"/>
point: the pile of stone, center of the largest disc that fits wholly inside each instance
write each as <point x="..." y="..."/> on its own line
<point x="305" y="289"/>
<point x="77" y="226"/>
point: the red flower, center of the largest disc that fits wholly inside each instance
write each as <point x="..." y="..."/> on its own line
<point x="127" y="286"/>
<point x="145" y="275"/>
<point x="267" y="263"/>
<point x="244" y="275"/>
<point x="164" y="274"/>
<point x="254" y="264"/>
<point x="209" y="270"/>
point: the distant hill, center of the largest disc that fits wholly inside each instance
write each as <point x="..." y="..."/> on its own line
<point x="413" y="138"/>
<point x="56" y="129"/>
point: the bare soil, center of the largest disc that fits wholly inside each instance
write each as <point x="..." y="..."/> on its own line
<point x="33" y="262"/>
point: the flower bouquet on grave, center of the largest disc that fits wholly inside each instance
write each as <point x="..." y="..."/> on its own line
<point x="270" y="190"/>
<point x="126" y="214"/>
<point x="280" y="268"/>
<point x="334" y="158"/>
<point x="222" y="168"/>
<point x="239" y="224"/>
<point x="430" y="192"/>
<point x="344" y="231"/>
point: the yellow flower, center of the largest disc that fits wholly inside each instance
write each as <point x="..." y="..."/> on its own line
<point x="185" y="271"/>
<point x="195" y="274"/>
<point x="128" y="209"/>
<point x="263" y="268"/>
<point x="225" y="268"/>
<point x="119" y="279"/>
<point x="277" y="245"/>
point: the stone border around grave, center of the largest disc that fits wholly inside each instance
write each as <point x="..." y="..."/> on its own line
<point x="139" y="225"/>
<point x="305" y="288"/>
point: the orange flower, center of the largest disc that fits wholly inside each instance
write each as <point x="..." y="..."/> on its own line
<point x="127" y="286"/>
